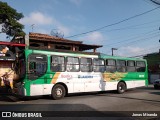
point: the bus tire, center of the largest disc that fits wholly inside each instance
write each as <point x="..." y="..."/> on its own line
<point x="58" y="92"/>
<point x="121" y="87"/>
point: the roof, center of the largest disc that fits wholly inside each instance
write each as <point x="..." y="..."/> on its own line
<point x="45" y="37"/>
<point x="54" y="39"/>
<point x="88" y="47"/>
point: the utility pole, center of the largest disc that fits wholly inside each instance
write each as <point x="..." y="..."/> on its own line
<point x="113" y="50"/>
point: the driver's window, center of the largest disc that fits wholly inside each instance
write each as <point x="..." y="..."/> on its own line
<point x="37" y="65"/>
<point x="32" y="67"/>
<point x="40" y="68"/>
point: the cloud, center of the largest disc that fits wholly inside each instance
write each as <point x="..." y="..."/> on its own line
<point x="134" y="50"/>
<point x="64" y="30"/>
<point x="42" y="20"/>
<point x="37" y="18"/>
<point x="130" y="51"/>
<point x="92" y="38"/>
<point x="95" y="36"/>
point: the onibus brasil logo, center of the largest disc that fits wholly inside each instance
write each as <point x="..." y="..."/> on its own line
<point x="21" y="114"/>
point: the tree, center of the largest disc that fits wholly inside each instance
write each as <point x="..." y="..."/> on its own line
<point x="9" y="20"/>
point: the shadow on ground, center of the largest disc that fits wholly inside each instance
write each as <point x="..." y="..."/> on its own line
<point x="8" y="97"/>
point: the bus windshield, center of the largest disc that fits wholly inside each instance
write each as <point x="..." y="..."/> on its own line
<point x="37" y="65"/>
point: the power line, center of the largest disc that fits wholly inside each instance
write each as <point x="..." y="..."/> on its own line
<point x="135" y="41"/>
<point x="156" y="2"/>
<point x="148" y="38"/>
<point x="150" y="49"/>
<point x="140" y="40"/>
<point x="129" y="37"/>
<point x="114" y="23"/>
<point x="134" y="26"/>
<point x="131" y="27"/>
<point x="145" y="53"/>
<point x="137" y="36"/>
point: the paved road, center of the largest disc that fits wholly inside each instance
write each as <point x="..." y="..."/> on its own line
<point x="144" y="99"/>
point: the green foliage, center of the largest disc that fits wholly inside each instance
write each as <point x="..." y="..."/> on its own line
<point x="9" y="20"/>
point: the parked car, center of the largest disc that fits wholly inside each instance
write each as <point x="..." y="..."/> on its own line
<point x="156" y="84"/>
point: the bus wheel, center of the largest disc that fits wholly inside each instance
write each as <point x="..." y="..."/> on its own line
<point x="121" y="88"/>
<point x="58" y="92"/>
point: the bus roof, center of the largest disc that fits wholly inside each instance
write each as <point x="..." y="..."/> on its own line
<point x="118" y="57"/>
<point x="62" y="53"/>
<point x="78" y="53"/>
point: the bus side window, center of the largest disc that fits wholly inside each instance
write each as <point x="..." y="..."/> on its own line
<point x="98" y="65"/>
<point x="57" y="63"/>
<point x="140" y="66"/>
<point x="110" y="65"/>
<point x="72" y="64"/>
<point x="131" y="66"/>
<point x="121" y="65"/>
<point x="86" y="64"/>
<point x="37" y="68"/>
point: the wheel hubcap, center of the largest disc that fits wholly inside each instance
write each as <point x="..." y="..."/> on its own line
<point x="120" y="88"/>
<point x="59" y="92"/>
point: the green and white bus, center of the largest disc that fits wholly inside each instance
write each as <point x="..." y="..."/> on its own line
<point x="60" y="73"/>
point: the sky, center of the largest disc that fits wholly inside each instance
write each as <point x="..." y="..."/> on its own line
<point x="134" y="37"/>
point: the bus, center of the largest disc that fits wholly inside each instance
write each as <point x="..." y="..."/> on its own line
<point x="56" y="73"/>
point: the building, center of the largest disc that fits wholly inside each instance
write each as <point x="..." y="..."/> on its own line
<point x="44" y="41"/>
<point x="153" y="61"/>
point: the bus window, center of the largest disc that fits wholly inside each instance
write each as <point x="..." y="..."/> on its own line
<point x="32" y="67"/>
<point x="40" y="68"/>
<point x="57" y="64"/>
<point x="37" y="65"/>
<point x="72" y="64"/>
<point x="140" y="66"/>
<point x="86" y="64"/>
<point x="98" y="65"/>
<point x="131" y="66"/>
<point x="110" y="65"/>
<point x="121" y="65"/>
<point x="37" y="68"/>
